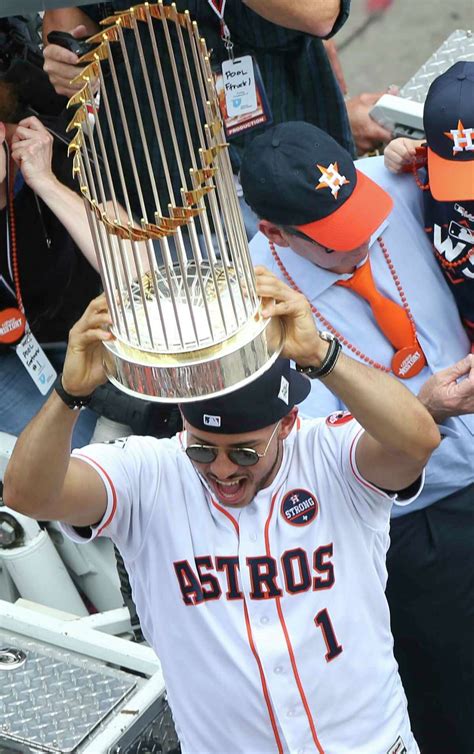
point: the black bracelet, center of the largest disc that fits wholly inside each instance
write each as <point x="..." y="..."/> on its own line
<point x="329" y="362"/>
<point x="74" y="402"/>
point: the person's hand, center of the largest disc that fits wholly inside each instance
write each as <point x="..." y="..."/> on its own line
<point x="60" y="65"/>
<point x="450" y="392"/>
<point x="367" y="133"/>
<point x="301" y="341"/>
<point x="32" y="151"/>
<point x="400" y="153"/>
<point x="83" y="368"/>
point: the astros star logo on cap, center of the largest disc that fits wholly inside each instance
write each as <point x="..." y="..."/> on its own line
<point x="462" y="138"/>
<point x="331" y="178"/>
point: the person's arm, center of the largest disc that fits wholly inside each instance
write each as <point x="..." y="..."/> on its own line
<point x="316" y="17"/>
<point x="56" y="486"/>
<point x="450" y="392"/>
<point x="59" y="63"/>
<point x="66" y="19"/>
<point x="367" y="133"/>
<point x="400" y="434"/>
<point x="32" y="147"/>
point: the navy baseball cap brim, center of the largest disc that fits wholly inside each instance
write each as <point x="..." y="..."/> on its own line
<point x="259" y="404"/>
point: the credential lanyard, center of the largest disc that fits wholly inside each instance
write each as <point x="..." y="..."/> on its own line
<point x="218" y="6"/>
<point x="14" y="329"/>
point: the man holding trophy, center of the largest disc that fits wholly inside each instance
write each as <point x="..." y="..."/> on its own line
<point x="255" y="543"/>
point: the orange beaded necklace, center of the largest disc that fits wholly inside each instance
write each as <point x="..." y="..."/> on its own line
<point x="412" y="355"/>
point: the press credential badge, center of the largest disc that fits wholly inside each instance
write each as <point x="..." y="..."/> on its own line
<point x="239" y="86"/>
<point x="36" y="362"/>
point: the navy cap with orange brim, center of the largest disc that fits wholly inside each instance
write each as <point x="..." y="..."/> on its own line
<point x="355" y="220"/>
<point x="295" y="174"/>
<point x="448" y="120"/>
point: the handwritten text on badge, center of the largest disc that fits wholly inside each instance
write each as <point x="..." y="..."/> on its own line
<point x="239" y="86"/>
<point x="36" y="362"/>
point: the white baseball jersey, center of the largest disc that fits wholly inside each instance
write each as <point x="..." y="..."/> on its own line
<point x="270" y="622"/>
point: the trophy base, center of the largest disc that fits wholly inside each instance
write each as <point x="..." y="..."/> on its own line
<point x="194" y="375"/>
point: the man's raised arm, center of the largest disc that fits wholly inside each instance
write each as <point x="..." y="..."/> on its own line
<point x="41" y="479"/>
<point x="316" y="17"/>
<point x="400" y="434"/>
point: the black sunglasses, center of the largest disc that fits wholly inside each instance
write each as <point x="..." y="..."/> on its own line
<point x="295" y="232"/>
<point x="238" y="456"/>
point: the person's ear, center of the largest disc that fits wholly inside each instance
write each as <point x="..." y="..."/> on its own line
<point x="287" y="423"/>
<point x="273" y="233"/>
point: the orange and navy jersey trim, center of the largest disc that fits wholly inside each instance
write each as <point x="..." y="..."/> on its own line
<point x="103" y="472"/>
<point x="355" y="471"/>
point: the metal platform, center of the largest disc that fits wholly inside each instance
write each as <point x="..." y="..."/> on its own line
<point x="73" y="687"/>
<point x="458" y="46"/>
<point x="403" y="114"/>
<point x="51" y="698"/>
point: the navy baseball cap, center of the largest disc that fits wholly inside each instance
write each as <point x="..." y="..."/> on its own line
<point x="448" y="120"/>
<point x="296" y="174"/>
<point x="262" y="402"/>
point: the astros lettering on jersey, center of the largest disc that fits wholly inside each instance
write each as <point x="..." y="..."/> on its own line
<point x="270" y="621"/>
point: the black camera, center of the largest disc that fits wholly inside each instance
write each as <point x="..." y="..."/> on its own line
<point x="62" y="38"/>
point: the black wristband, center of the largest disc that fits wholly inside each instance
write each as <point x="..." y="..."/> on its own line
<point x="74" y="402"/>
<point x="329" y="362"/>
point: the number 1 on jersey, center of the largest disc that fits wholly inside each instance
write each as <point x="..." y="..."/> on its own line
<point x="323" y="621"/>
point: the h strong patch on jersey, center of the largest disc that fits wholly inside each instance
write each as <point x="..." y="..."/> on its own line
<point x="299" y="507"/>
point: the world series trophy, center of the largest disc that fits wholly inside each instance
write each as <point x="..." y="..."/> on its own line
<point x="179" y="281"/>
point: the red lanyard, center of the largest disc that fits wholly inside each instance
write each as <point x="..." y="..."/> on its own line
<point x="218" y="6"/>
